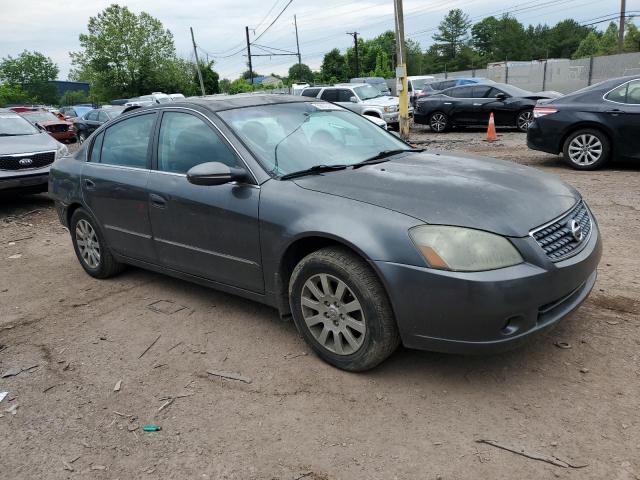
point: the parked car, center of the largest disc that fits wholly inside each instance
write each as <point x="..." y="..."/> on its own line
<point x="61" y="130"/>
<point x="414" y="86"/>
<point x="91" y="120"/>
<point x="377" y="82"/>
<point x="360" y="98"/>
<point x="592" y="126"/>
<point x="176" y="97"/>
<point x="148" y="100"/>
<point x="71" y="113"/>
<point x="431" y="88"/>
<point x="26" y="153"/>
<point x="305" y="206"/>
<point x="471" y="105"/>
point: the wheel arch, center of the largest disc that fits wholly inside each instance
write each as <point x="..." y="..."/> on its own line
<point x="373" y="113"/>
<point x="588" y="126"/>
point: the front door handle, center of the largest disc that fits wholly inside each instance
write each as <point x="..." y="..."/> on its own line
<point x="157" y="201"/>
<point x="89" y="184"/>
<point x="614" y="111"/>
<point x="477" y="104"/>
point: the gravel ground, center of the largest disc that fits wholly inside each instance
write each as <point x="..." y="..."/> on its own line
<point x="418" y="415"/>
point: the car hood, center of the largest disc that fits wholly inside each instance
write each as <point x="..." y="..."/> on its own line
<point x="27" y="144"/>
<point x="439" y="188"/>
<point x="382" y="101"/>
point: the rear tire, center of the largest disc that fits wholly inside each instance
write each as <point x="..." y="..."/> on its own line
<point x="439" y="122"/>
<point x="587" y="149"/>
<point x="341" y="310"/>
<point x="91" y="247"/>
<point x="525" y="118"/>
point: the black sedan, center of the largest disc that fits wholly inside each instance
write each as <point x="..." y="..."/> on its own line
<point x="591" y="126"/>
<point x="90" y="121"/>
<point x="471" y="105"/>
<point x="312" y="209"/>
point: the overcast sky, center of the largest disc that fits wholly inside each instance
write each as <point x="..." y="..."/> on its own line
<point x="53" y="27"/>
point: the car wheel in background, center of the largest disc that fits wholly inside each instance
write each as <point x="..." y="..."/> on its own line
<point x="81" y="137"/>
<point x="342" y="310"/>
<point x="525" y="118"/>
<point x="90" y="246"/>
<point x="587" y="149"/>
<point x="439" y="122"/>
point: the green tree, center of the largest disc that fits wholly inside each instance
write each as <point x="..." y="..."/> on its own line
<point x="608" y="43"/>
<point x="453" y="33"/>
<point x="631" y="38"/>
<point x="123" y="54"/>
<point x="12" y="94"/>
<point x="300" y="73"/>
<point x="565" y="38"/>
<point x="210" y="78"/>
<point x="588" y="46"/>
<point x="239" y="86"/>
<point x="224" y="85"/>
<point x="31" y="71"/>
<point x="334" y="66"/>
<point x="73" y="97"/>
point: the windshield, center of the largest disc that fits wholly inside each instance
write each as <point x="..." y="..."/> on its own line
<point x="80" y="111"/>
<point x="290" y="137"/>
<point x="34" y="117"/>
<point x="366" y="91"/>
<point x="12" y="124"/>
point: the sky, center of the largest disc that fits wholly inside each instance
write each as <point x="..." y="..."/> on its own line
<point x="53" y="27"/>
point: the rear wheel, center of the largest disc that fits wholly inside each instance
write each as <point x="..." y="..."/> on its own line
<point x="525" y="118"/>
<point x="341" y="309"/>
<point x="81" y="137"/>
<point x="439" y="122"/>
<point x="587" y="149"/>
<point x="90" y="246"/>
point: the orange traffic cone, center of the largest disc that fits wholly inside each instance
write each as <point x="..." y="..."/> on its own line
<point x="491" y="131"/>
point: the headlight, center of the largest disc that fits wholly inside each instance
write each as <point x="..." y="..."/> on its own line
<point x="463" y="249"/>
<point x="387" y="109"/>
<point x="61" y="151"/>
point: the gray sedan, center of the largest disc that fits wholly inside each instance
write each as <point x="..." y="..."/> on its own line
<point x="312" y="209"/>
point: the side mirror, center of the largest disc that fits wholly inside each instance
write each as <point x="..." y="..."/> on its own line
<point x="501" y="96"/>
<point x="353" y="99"/>
<point x="215" y="173"/>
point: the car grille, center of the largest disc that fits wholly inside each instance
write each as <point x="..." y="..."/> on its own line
<point x="558" y="240"/>
<point x="18" y="162"/>
<point x="57" y="128"/>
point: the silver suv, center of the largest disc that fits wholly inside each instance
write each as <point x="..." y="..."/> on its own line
<point x="360" y="98"/>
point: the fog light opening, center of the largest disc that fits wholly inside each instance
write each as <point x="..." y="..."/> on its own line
<point x="512" y="325"/>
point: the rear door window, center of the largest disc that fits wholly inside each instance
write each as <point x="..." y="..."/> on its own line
<point x="94" y="155"/>
<point x="330" y="95"/>
<point x="481" y="91"/>
<point x="310" y="92"/>
<point x="461" y="92"/>
<point x="633" y="93"/>
<point x="619" y="94"/>
<point x="127" y="142"/>
<point x="345" y="95"/>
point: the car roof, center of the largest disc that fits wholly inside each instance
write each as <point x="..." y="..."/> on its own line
<point x="217" y="103"/>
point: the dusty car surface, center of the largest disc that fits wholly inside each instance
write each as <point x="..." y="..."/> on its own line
<point x="305" y="206"/>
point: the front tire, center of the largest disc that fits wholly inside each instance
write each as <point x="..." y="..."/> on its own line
<point x="91" y="247"/>
<point x="341" y="310"/>
<point x="439" y="122"/>
<point x="587" y="149"/>
<point x="81" y="137"/>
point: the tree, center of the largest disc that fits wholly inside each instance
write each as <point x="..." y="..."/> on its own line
<point x="334" y="66"/>
<point x="247" y="74"/>
<point x="31" y="71"/>
<point x="565" y="38"/>
<point x="300" y="73"/>
<point x="12" y="94"/>
<point x="210" y="78"/>
<point x="631" y="38"/>
<point x="453" y="33"/>
<point x="224" y="85"/>
<point x="588" y="46"/>
<point x="608" y="42"/>
<point x="123" y="54"/>
<point x="239" y="86"/>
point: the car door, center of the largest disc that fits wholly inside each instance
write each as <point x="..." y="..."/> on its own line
<point x="622" y="115"/>
<point x="212" y="232"/>
<point x="114" y="185"/>
<point x="481" y="97"/>
<point x="461" y="106"/>
<point x="504" y="110"/>
<point x="344" y="99"/>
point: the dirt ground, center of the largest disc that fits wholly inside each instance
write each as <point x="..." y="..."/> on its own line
<point x="417" y="416"/>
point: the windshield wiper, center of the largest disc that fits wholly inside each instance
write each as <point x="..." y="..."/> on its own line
<point x="384" y="156"/>
<point x="13" y="134"/>
<point x="313" y="170"/>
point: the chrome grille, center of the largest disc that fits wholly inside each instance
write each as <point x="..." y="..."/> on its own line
<point x="25" y="161"/>
<point x="558" y="240"/>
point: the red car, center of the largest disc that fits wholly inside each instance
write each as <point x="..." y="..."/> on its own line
<point x="61" y="130"/>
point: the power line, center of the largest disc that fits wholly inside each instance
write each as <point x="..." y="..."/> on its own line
<point x="274" y="21"/>
<point x="267" y="15"/>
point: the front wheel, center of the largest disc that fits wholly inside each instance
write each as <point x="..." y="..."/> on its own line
<point x="586" y="149"/>
<point x="81" y="137"/>
<point x="439" y="122"/>
<point x="341" y="309"/>
<point x="524" y="119"/>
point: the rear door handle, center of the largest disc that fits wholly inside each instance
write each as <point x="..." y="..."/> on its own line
<point x="157" y="201"/>
<point x="614" y="111"/>
<point x="89" y="184"/>
<point x="477" y="104"/>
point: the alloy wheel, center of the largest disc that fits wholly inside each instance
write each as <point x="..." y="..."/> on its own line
<point x="524" y="120"/>
<point x="438" y="122"/>
<point x="333" y="314"/>
<point x="81" y="138"/>
<point x="88" y="244"/>
<point x="585" y="149"/>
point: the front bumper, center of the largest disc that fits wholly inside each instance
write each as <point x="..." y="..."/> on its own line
<point x="21" y="180"/>
<point x="483" y="312"/>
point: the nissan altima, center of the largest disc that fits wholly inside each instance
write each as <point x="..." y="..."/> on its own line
<point x="310" y="208"/>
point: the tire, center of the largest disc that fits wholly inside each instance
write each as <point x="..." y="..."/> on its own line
<point x="362" y="311"/>
<point x="524" y="119"/>
<point x="439" y="122"/>
<point x="587" y="149"/>
<point x="82" y="227"/>
<point x="81" y="137"/>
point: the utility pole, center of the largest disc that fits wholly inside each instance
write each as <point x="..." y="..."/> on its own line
<point x="195" y="51"/>
<point x="401" y="69"/>
<point x="246" y="29"/>
<point x="355" y="44"/>
<point x="295" y="22"/>
<point x="623" y="11"/>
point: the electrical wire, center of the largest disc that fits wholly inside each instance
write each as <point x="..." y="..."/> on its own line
<point x="274" y="21"/>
